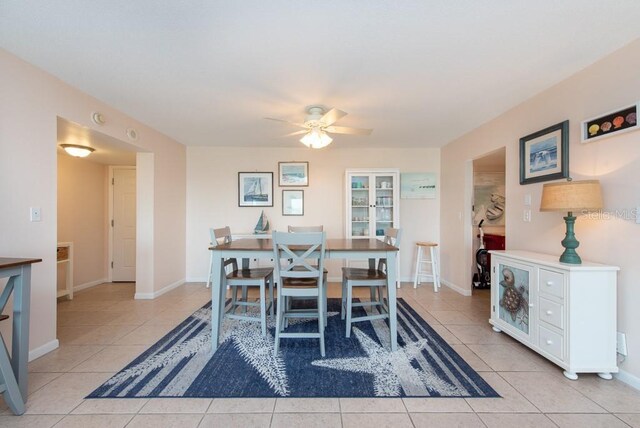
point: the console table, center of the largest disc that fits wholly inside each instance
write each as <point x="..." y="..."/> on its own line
<point x="564" y="312"/>
<point x="19" y="273"/>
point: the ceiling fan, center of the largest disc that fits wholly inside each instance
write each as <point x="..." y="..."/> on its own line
<point x="318" y="123"/>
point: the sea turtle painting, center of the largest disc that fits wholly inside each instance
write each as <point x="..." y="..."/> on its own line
<point x="513" y="299"/>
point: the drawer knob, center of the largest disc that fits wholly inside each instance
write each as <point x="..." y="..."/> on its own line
<point x="549" y="312"/>
<point x="549" y="283"/>
<point x="549" y="342"/>
<point x="531" y="305"/>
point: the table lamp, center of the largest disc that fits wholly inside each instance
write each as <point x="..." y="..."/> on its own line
<point x="571" y="196"/>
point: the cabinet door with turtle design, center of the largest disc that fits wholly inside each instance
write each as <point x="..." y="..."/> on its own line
<point x="513" y="288"/>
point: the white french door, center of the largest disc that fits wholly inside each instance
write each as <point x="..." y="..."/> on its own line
<point x="123" y="224"/>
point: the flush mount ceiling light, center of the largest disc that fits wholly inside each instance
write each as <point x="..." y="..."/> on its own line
<point x="316" y="139"/>
<point x="77" y="150"/>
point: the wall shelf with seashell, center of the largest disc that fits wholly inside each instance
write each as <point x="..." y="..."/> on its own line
<point x="609" y="124"/>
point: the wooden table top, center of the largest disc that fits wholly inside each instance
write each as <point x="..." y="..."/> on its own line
<point x="331" y="245"/>
<point x="7" y="262"/>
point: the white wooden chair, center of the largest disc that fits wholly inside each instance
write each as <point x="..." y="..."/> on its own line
<point x="300" y="279"/>
<point x="244" y="278"/>
<point x="374" y="278"/>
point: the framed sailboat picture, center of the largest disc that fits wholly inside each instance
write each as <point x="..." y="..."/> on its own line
<point x="255" y="189"/>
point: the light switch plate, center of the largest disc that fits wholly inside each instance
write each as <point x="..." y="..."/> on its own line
<point x="527" y="199"/>
<point x="35" y="214"/>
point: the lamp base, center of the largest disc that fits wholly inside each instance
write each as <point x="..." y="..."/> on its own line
<point x="570" y="243"/>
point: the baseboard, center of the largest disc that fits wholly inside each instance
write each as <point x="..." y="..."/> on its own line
<point x="44" y="349"/>
<point x="150" y="296"/>
<point x="454" y="287"/>
<point x="89" y="284"/>
<point x="626" y="377"/>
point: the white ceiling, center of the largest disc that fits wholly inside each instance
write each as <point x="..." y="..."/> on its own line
<point x="420" y="72"/>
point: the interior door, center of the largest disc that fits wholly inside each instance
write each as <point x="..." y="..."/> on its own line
<point x="123" y="266"/>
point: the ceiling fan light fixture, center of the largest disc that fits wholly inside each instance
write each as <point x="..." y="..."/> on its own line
<point x="316" y="139"/>
<point x="77" y="150"/>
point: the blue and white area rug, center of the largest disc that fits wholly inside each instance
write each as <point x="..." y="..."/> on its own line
<point x="181" y="363"/>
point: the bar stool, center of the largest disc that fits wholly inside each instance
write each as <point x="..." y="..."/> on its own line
<point x="8" y="384"/>
<point x="433" y="271"/>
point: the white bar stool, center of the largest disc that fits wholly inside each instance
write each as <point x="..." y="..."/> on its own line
<point x="433" y="272"/>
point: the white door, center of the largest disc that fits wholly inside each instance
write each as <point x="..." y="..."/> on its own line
<point x="123" y="266"/>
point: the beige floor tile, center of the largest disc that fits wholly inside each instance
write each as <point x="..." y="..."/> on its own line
<point x="236" y="420"/>
<point x="372" y="405"/>
<point x="102" y="335"/>
<point x="590" y="420"/>
<point x="443" y="405"/>
<point x="112" y="358"/>
<point x="445" y="334"/>
<point x="37" y="380"/>
<point x="550" y="394"/>
<point x="633" y="419"/>
<point x="507" y="358"/>
<point x="242" y="405"/>
<point x="75" y="318"/>
<point x="109" y="405"/>
<point x="451" y="317"/>
<point x="475" y="334"/>
<point x="306" y="420"/>
<point x="377" y="420"/>
<point x="94" y="421"/>
<point x="165" y="421"/>
<point x="29" y="421"/>
<point x="169" y="317"/>
<point x="63" y="394"/>
<point x="76" y="305"/>
<point x="307" y="405"/>
<point x="434" y="305"/>
<point x="471" y="358"/>
<point x="520" y="420"/>
<point x="144" y="335"/>
<point x="131" y="318"/>
<point x="64" y="358"/>
<point x="446" y="420"/>
<point x="67" y="335"/>
<point x="511" y="401"/>
<point x="613" y="395"/>
<point x="176" y="405"/>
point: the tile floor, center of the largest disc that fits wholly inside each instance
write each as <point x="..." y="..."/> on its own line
<point x="103" y="329"/>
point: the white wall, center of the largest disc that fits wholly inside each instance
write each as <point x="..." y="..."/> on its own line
<point x="212" y="195"/>
<point x="30" y="103"/>
<point x="82" y="217"/>
<point x="606" y="85"/>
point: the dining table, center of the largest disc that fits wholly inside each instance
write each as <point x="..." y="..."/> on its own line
<point x="260" y="248"/>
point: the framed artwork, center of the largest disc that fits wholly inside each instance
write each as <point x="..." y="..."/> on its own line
<point x="544" y="155"/>
<point x="612" y="123"/>
<point x="417" y="185"/>
<point x="255" y="189"/>
<point x="293" y="174"/>
<point x="293" y="202"/>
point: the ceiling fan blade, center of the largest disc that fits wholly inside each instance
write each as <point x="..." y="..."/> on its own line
<point x="347" y="130"/>
<point x="301" y="125"/>
<point x="332" y="116"/>
<point x="296" y="133"/>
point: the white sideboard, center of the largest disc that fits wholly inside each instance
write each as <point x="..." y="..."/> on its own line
<point x="566" y="313"/>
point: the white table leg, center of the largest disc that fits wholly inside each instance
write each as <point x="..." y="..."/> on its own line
<point x="391" y="290"/>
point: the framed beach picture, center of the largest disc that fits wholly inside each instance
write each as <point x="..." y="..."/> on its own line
<point x="293" y="202"/>
<point x="255" y="189"/>
<point x="293" y="174"/>
<point x="544" y="155"/>
<point x="417" y="185"/>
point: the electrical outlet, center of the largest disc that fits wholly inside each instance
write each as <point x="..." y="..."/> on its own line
<point x="621" y="344"/>
<point x="527" y="216"/>
<point x="35" y="214"/>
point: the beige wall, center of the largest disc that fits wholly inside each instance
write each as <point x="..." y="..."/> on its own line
<point x="30" y="104"/>
<point x="606" y="85"/>
<point x="212" y="195"/>
<point x="82" y="216"/>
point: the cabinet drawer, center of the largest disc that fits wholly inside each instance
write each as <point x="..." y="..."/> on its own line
<point x="550" y="342"/>
<point x="551" y="283"/>
<point x="551" y="312"/>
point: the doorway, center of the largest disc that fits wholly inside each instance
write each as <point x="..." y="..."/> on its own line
<point x="488" y="213"/>
<point x="122" y="231"/>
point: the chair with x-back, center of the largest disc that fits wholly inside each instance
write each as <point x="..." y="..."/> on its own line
<point x="243" y="278"/>
<point x="375" y="278"/>
<point x="299" y="279"/>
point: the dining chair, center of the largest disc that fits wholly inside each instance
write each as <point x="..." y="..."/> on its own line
<point x="300" y="279"/>
<point x="375" y="278"/>
<point x="244" y="278"/>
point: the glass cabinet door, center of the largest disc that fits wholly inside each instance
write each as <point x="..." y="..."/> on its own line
<point x="360" y="205"/>
<point x="384" y="197"/>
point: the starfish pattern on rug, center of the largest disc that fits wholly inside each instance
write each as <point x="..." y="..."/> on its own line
<point x="392" y="370"/>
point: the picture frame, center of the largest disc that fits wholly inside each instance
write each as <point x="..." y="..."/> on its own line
<point x="293" y="174"/>
<point x="418" y="185"/>
<point x="292" y="202"/>
<point x="255" y="189"/>
<point x="615" y="122"/>
<point x="544" y="155"/>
